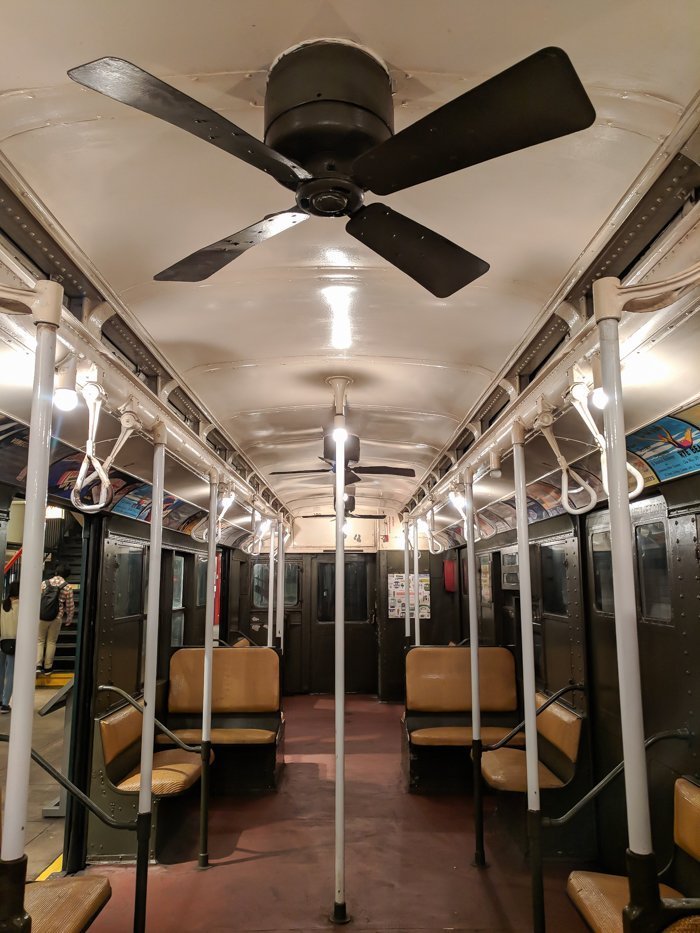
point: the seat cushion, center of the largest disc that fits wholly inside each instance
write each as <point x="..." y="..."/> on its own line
<point x="65" y="905"/>
<point x="460" y="735"/>
<point x="600" y="899"/>
<point x="173" y="772"/>
<point x="505" y="769"/>
<point x="223" y="736"/>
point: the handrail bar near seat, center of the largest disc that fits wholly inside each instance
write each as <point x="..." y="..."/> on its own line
<point x="104" y="688"/>
<point x="682" y="733"/>
<point x="569" y="688"/>
<point x="75" y="791"/>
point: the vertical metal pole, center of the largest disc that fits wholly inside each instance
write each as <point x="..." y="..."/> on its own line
<point x="416" y="584"/>
<point x="639" y="826"/>
<point x="203" y="860"/>
<point x="271" y="590"/>
<point x="280" y="582"/>
<point x="527" y="642"/>
<point x="14" y="862"/>
<point x="479" y="852"/>
<point x="407" y="586"/>
<point x="143" y="819"/>
<point x="339" y="907"/>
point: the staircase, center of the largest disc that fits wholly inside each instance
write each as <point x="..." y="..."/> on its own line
<point x="69" y="550"/>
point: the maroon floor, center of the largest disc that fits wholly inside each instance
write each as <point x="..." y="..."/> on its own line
<point x="408" y="857"/>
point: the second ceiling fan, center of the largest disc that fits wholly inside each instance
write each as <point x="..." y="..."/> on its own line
<point x="329" y="138"/>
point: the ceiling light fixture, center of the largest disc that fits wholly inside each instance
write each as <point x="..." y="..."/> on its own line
<point x="65" y="396"/>
<point x="338" y="298"/>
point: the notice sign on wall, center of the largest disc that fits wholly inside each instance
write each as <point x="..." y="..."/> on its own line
<point x="397" y="595"/>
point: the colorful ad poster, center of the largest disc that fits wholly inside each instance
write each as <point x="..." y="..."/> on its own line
<point x="669" y="446"/>
<point x="397" y="595"/>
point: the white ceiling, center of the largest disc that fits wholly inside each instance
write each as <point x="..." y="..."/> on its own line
<point x="254" y="341"/>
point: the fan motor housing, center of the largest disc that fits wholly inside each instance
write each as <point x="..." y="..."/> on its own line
<point x="326" y="103"/>
<point x="352" y="448"/>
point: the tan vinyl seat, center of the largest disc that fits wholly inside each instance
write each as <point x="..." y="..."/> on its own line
<point x="66" y="905"/>
<point x="505" y="768"/>
<point x="461" y="735"/>
<point x="174" y="770"/>
<point x="232" y="736"/>
<point x="243" y="681"/>
<point x="438" y="680"/>
<point x="600" y="898"/>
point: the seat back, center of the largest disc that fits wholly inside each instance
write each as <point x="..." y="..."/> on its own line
<point x="438" y="680"/>
<point x="559" y="734"/>
<point x="120" y="737"/>
<point x="244" y="680"/>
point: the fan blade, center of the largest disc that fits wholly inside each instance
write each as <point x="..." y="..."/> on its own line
<point x="347" y="515"/>
<point x="538" y="99"/>
<point x="208" y="260"/>
<point x="428" y="258"/>
<point x="297" y="472"/>
<point x="384" y="471"/>
<point x="136" y="88"/>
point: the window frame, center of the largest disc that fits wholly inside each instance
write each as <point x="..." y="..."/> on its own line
<point x="639" y="586"/>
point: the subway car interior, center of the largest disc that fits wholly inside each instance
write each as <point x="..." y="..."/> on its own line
<point x="350" y="532"/>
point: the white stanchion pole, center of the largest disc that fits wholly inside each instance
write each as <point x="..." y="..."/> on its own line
<point x="339" y="908"/>
<point x="416" y="585"/>
<point x="19" y="751"/>
<point x="208" y="668"/>
<point x="150" y="675"/>
<point x="271" y="590"/>
<point x="479" y="851"/>
<point x="280" y="583"/>
<point x="527" y="643"/>
<point x="632" y="714"/>
<point x="407" y="584"/>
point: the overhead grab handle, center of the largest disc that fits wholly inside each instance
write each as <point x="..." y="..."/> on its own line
<point x="94" y="397"/>
<point x="428" y="527"/>
<point x="544" y="424"/>
<point x="579" y="399"/>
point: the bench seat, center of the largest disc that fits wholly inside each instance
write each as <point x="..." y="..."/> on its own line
<point x="600" y="898"/>
<point x="462" y="735"/>
<point x="223" y="736"/>
<point x="505" y="769"/>
<point x="66" y="905"/>
<point x="174" y="771"/>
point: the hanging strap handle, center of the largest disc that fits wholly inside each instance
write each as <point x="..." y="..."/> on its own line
<point x="94" y="397"/>
<point x="544" y="424"/>
<point x="579" y="401"/>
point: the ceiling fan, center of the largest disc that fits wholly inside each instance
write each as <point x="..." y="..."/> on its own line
<point x="353" y="473"/>
<point x="329" y="138"/>
<point x="349" y="511"/>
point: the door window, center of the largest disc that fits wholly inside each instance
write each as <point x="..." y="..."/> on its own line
<point x="128" y="581"/>
<point x="356" y="608"/>
<point x="652" y="568"/>
<point x="553" y="563"/>
<point x="261" y="579"/>
<point x="177" y="628"/>
<point x="602" y="571"/>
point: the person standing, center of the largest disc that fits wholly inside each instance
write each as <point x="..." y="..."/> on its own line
<point x="8" y="640"/>
<point x="57" y="607"/>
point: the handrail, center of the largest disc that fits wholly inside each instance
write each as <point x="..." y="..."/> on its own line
<point x="13" y="560"/>
<point x="569" y="688"/>
<point x="75" y="791"/>
<point x="611" y="775"/>
<point x="105" y="688"/>
<point x="222" y="643"/>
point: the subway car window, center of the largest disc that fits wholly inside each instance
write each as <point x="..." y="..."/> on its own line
<point x="356" y="609"/>
<point x="128" y="582"/>
<point x="554" y="595"/>
<point x="201" y="570"/>
<point x="602" y="571"/>
<point x="485" y="578"/>
<point x="261" y="577"/>
<point x="652" y="567"/>
<point x="178" y="618"/>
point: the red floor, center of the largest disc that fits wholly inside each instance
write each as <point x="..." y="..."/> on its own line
<point x="408" y="857"/>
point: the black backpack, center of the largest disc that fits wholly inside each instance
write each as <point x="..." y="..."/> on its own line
<point x="50" y="601"/>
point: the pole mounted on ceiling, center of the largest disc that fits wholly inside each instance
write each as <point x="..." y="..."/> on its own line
<point x="339" y="385"/>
